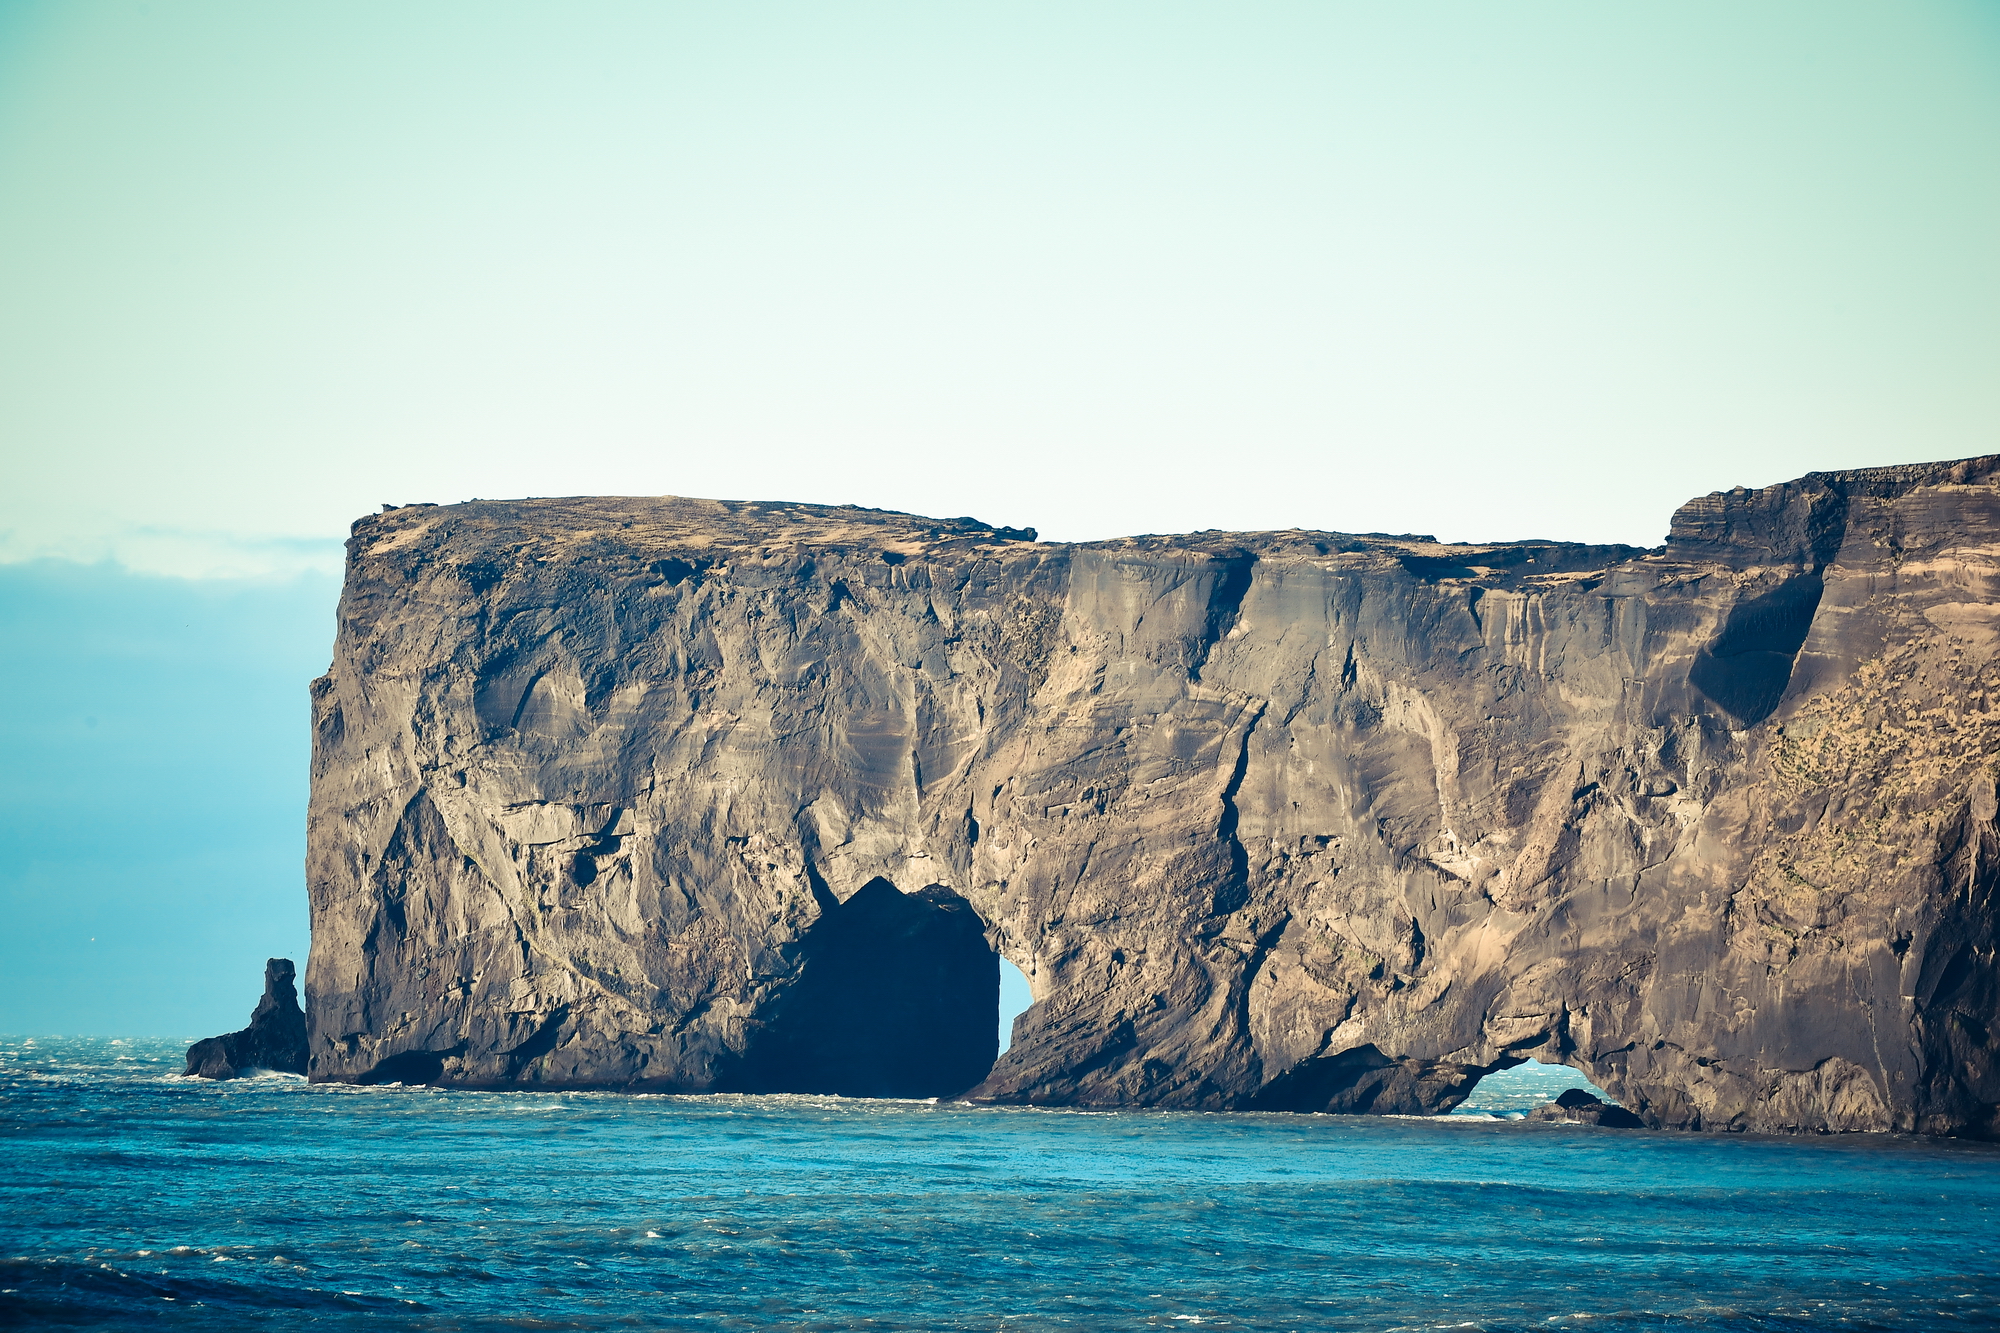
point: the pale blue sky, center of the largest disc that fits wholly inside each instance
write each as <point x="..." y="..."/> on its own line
<point x="153" y="751"/>
<point x="1478" y="268"/>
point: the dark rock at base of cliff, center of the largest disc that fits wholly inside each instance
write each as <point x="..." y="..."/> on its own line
<point x="1577" y="1107"/>
<point x="275" y="1039"/>
<point x="1364" y="1081"/>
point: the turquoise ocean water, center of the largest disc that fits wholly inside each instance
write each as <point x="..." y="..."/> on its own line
<point x="130" y="1198"/>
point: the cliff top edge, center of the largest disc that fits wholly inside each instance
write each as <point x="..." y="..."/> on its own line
<point x="1787" y="522"/>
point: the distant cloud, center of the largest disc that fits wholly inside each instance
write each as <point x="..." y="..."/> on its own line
<point x="191" y="553"/>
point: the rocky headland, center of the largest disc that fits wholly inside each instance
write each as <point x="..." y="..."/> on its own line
<point x="674" y="794"/>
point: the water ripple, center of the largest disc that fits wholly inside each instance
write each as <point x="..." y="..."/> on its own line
<point x="130" y="1197"/>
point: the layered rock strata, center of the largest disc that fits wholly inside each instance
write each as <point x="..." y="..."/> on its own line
<point x="673" y="794"/>
<point x="275" y="1039"/>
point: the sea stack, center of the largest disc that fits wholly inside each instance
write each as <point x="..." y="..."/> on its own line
<point x="605" y="791"/>
<point x="275" y="1039"/>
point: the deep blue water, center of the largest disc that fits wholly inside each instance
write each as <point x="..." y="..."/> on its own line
<point x="133" y="1199"/>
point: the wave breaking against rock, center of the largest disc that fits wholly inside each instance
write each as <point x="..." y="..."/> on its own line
<point x="688" y="795"/>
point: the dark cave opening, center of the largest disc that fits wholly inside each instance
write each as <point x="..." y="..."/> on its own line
<point x="410" y="1067"/>
<point x="898" y="995"/>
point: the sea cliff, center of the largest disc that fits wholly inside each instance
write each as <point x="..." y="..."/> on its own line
<point x="674" y="794"/>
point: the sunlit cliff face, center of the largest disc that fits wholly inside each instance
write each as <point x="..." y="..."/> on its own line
<point x="633" y="792"/>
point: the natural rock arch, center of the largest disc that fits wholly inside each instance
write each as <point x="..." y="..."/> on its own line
<point x="1304" y="819"/>
<point x="895" y="996"/>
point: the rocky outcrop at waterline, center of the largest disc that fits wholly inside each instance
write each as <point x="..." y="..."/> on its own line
<point x="1299" y="821"/>
<point x="1577" y="1107"/>
<point x="275" y="1039"/>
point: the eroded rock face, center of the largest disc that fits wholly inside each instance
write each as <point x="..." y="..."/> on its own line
<point x="1298" y="821"/>
<point x="275" y="1039"/>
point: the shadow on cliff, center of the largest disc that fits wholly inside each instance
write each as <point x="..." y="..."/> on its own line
<point x="896" y="997"/>
<point x="1955" y="981"/>
<point x="1750" y="663"/>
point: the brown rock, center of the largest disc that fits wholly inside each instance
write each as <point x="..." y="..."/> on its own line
<point x="1298" y="820"/>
